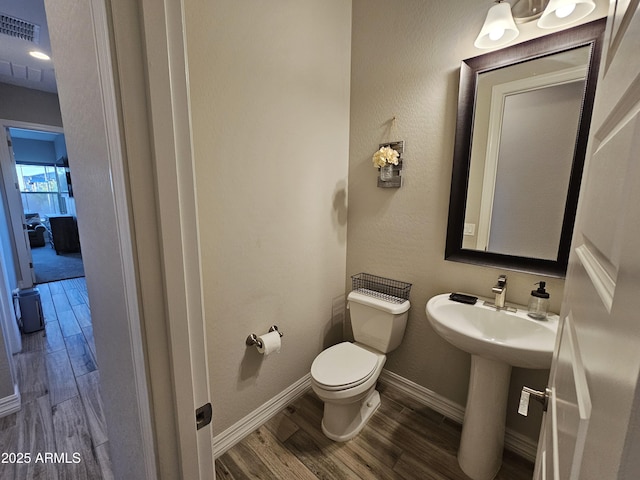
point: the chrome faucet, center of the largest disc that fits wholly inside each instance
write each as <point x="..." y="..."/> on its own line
<point x="500" y="289"/>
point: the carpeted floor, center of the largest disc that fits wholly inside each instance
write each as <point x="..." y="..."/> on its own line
<point x="50" y="267"/>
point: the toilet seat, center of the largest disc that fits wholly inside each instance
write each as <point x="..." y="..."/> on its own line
<point x="343" y="366"/>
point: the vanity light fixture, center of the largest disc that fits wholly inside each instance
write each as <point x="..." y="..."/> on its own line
<point x="39" y="55"/>
<point x="563" y="12"/>
<point x="500" y="27"/>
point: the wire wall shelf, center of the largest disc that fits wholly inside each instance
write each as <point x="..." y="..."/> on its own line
<point x="385" y="288"/>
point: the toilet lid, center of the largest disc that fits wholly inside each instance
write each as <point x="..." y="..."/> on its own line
<point x="344" y="364"/>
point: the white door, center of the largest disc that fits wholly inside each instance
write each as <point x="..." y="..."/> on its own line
<point x="591" y="429"/>
<point x="137" y="106"/>
<point x="26" y="275"/>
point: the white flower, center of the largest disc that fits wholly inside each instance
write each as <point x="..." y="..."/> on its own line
<point x="384" y="156"/>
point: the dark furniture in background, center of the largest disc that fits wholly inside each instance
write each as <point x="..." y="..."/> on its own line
<point x="64" y="233"/>
<point x="35" y="229"/>
<point x="36" y="236"/>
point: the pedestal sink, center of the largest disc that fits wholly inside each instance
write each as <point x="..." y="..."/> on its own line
<point x="497" y="340"/>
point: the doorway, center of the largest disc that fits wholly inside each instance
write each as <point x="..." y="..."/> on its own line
<point x="143" y="270"/>
<point x="57" y="368"/>
<point x="46" y="196"/>
<point x="92" y="130"/>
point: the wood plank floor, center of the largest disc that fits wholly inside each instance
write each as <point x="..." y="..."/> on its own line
<point x="61" y="424"/>
<point x="403" y="440"/>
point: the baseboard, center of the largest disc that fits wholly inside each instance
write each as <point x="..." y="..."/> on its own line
<point x="10" y="404"/>
<point x="513" y="441"/>
<point x="423" y="395"/>
<point x="520" y="444"/>
<point x="236" y="432"/>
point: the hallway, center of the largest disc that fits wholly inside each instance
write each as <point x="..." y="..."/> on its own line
<point x="60" y="425"/>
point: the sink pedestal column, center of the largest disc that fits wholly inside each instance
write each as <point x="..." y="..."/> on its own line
<point x="482" y="442"/>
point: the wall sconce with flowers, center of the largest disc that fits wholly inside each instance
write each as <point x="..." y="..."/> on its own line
<point x="388" y="160"/>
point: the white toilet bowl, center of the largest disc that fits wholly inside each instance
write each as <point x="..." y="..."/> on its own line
<point x="344" y="378"/>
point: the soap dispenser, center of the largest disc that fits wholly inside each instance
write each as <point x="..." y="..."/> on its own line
<point x="539" y="302"/>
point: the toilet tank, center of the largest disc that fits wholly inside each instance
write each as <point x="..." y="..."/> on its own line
<point x="378" y="322"/>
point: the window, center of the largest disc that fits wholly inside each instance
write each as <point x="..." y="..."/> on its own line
<point x="43" y="188"/>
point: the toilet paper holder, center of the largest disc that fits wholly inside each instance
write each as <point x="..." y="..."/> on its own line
<point x="253" y="338"/>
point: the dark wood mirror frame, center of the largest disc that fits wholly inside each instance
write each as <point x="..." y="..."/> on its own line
<point x="590" y="34"/>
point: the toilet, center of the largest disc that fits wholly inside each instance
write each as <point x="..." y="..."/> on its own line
<point x="344" y="376"/>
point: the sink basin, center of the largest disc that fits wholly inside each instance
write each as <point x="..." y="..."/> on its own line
<point x="513" y="338"/>
<point x="497" y="340"/>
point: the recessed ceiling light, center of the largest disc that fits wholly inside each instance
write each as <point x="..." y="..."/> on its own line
<point x="39" y="55"/>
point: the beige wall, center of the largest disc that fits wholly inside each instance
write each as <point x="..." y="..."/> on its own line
<point x="6" y="374"/>
<point x="26" y="105"/>
<point x="405" y="62"/>
<point x="269" y="86"/>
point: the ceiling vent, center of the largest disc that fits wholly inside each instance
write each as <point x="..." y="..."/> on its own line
<point x="18" y="28"/>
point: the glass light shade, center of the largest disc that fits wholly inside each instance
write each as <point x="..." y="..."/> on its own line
<point x="560" y="12"/>
<point x="499" y="27"/>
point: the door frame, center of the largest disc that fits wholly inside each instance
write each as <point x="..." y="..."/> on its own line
<point x="19" y="248"/>
<point x="170" y="138"/>
<point x="14" y="201"/>
<point x="141" y="44"/>
<point x="167" y="83"/>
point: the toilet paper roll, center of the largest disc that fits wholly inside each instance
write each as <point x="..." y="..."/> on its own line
<point x="270" y="343"/>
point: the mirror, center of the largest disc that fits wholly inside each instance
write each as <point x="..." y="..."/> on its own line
<point x="521" y="137"/>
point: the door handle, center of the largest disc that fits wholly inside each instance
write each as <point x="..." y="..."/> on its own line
<point x="540" y="396"/>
